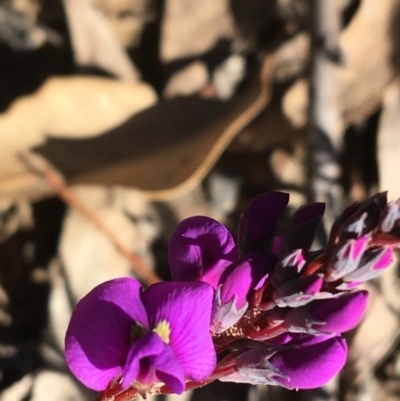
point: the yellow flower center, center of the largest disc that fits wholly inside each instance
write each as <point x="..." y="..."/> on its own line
<point x="163" y="330"/>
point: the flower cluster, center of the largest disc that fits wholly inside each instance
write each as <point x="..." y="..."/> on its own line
<point x="260" y="307"/>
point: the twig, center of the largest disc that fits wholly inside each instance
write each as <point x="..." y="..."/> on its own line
<point x="325" y="132"/>
<point x="54" y="179"/>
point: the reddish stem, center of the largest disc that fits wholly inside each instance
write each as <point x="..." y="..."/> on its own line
<point x="56" y="182"/>
<point x="267" y="333"/>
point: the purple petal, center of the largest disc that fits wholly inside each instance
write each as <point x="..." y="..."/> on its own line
<point x="312" y="366"/>
<point x="196" y="245"/>
<point x="149" y="361"/>
<point x="261" y="217"/>
<point x="225" y="315"/>
<point x="305" y="340"/>
<point x="97" y="339"/>
<point x="187" y="308"/>
<point x="213" y="275"/>
<point x="277" y="245"/>
<point x="243" y="276"/>
<point x="137" y="362"/>
<point x="282" y="339"/>
<point x="308" y="212"/>
<point x="300" y="236"/>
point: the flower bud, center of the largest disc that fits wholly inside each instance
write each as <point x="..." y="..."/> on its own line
<point x="288" y="268"/>
<point x="391" y="217"/>
<point x="335" y="315"/>
<point x="310" y="366"/>
<point x="372" y="263"/>
<point x="346" y="259"/>
<point x="299" y="292"/>
<point x="365" y="219"/>
<point x="260" y="219"/>
<point x="300" y="367"/>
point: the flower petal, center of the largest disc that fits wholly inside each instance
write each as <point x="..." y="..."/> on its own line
<point x="170" y="371"/>
<point x="262" y="215"/>
<point x="186" y="306"/>
<point x="97" y="339"/>
<point x="197" y="244"/>
<point x="149" y="361"/>
<point x="136" y="367"/>
<point x="243" y="276"/>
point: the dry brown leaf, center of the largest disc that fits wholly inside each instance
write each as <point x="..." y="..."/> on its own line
<point x="187" y="81"/>
<point x="191" y="27"/>
<point x="165" y="150"/>
<point x="389" y="142"/>
<point x="127" y="18"/>
<point x="67" y="107"/>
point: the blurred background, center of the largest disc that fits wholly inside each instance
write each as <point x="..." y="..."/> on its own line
<point x="120" y="118"/>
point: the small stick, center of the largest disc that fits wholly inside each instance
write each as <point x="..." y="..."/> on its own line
<point x="325" y="120"/>
<point x="56" y="182"/>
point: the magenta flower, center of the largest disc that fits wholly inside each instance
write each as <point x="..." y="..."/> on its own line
<point x="271" y="308"/>
<point x="159" y="335"/>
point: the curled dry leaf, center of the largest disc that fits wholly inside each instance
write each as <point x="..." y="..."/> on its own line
<point x="165" y="150"/>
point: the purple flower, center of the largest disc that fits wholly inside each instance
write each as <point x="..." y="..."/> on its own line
<point x="200" y="249"/>
<point x="160" y="335"/>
